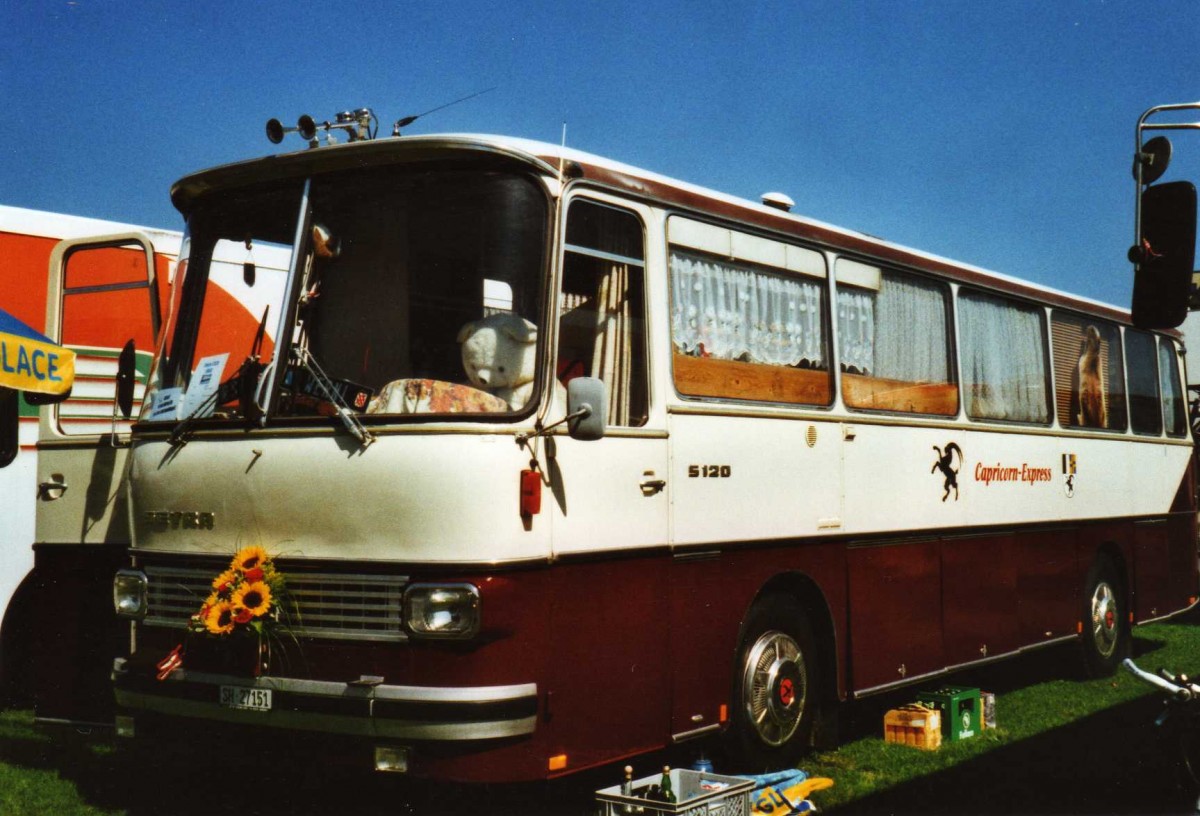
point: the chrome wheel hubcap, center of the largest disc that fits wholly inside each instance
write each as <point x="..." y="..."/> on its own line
<point x="775" y="687"/>
<point x="1105" y="619"/>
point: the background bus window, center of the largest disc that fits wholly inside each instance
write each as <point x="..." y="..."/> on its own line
<point x="602" y="308"/>
<point x="1089" y="380"/>
<point x="742" y="332"/>
<point x="106" y="300"/>
<point x="1003" y="347"/>
<point x="1145" y="413"/>
<point x="893" y="341"/>
<point x="1174" y="414"/>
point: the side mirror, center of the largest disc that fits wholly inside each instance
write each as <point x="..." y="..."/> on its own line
<point x="587" y="405"/>
<point x="1164" y="262"/>
<point x="10" y="430"/>
<point x="126" y="371"/>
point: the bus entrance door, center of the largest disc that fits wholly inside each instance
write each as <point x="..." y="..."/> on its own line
<point x="103" y="293"/>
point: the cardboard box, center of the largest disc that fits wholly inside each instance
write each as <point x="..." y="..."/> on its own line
<point x="960" y="708"/>
<point x="916" y="725"/>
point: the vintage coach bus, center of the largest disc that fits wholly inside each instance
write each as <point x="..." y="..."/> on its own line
<point x="798" y="464"/>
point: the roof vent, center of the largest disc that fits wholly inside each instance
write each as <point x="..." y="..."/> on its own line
<point x="780" y="201"/>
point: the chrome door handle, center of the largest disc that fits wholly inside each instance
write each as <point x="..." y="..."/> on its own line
<point x="651" y="486"/>
<point x="49" y="491"/>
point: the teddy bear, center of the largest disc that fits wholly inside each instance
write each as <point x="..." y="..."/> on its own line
<point x="499" y="353"/>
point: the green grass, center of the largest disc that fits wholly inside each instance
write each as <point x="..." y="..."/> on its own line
<point x="1063" y="745"/>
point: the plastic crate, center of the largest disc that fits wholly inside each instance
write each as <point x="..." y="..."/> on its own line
<point x="696" y="794"/>
<point x="960" y="707"/>
<point x="915" y="725"/>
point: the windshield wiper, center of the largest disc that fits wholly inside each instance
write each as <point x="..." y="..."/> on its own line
<point x="303" y="358"/>
<point x="241" y="386"/>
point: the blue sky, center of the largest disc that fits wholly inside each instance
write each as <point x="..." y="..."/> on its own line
<point x="997" y="133"/>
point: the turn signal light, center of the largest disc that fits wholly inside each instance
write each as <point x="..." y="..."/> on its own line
<point x="531" y="493"/>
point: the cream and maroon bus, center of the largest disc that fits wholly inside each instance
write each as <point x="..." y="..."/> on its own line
<point x="764" y="465"/>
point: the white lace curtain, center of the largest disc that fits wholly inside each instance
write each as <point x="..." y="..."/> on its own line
<point x="908" y="318"/>
<point x="1003" y="360"/>
<point x="734" y="312"/>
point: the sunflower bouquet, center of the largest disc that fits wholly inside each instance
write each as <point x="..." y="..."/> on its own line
<point x="247" y="595"/>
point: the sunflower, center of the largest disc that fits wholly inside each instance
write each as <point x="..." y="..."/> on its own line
<point x="219" y="619"/>
<point x="248" y="558"/>
<point x="225" y="581"/>
<point x="254" y="597"/>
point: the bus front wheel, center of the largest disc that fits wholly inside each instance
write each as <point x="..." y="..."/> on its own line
<point x="775" y="691"/>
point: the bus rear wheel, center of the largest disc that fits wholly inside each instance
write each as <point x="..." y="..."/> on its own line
<point x="1106" y="637"/>
<point x="776" y="689"/>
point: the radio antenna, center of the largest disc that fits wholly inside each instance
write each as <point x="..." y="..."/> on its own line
<point x="562" y="153"/>
<point x="408" y="120"/>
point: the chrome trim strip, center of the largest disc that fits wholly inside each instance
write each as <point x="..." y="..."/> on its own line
<point x="329" y="723"/>
<point x="684" y="736"/>
<point x="1167" y="616"/>
<point x="334" y="688"/>
<point x="856" y="693"/>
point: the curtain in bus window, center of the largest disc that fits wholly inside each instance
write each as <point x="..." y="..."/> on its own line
<point x="734" y="312"/>
<point x="602" y="322"/>
<point x="1174" y="417"/>
<point x="898" y="332"/>
<point x="612" y="356"/>
<point x="1145" y="413"/>
<point x="894" y="344"/>
<point x="1003" y="359"/>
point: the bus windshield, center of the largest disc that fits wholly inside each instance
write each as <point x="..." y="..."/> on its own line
<point x="393" y="271"/>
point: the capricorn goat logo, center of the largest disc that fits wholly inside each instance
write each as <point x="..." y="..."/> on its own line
<point x="945" y="463"/>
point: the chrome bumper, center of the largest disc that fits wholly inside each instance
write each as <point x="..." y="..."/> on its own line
<point x="392" y="712"/>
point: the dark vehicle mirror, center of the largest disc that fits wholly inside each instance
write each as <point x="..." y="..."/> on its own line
<point x="126" y="371"/>
<point x="587" y="404"/>
<point x="1164" y="262"/>
<point x="10" y="418"/>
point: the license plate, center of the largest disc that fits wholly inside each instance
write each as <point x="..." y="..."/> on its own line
<point x="253" y="699"/>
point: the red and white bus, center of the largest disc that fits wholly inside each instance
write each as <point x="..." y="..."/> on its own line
<point x="800" y="464"/>
<point x="93" y="286"/>
<point x="58" y="655"/>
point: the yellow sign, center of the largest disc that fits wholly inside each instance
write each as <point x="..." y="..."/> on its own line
<point x="30" y="362"/>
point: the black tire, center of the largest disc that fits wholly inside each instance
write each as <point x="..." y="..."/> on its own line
<point x="776" y="687"/>
<point x="1106" y="638"/>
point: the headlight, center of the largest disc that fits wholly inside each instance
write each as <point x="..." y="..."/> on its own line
<point x="442" y="610"/>
<point x="129" y="594"/>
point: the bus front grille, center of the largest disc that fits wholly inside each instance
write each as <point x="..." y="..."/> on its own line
<point x="319" y="605"/>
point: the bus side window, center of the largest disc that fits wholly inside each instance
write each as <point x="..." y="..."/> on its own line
<point x="1003" y="359"/>
<point x="1174" y="414"/>
<point x="1089" y="381"/>
<point x="1145" y="412"/>
<point x="893" y="341"/>
<point x="747" y="317"/>
<point x="602" y="308"/>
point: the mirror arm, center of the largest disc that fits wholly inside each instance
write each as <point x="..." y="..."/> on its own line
<point x="523" y="438"/>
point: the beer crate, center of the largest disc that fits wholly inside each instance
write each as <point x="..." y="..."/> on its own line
<point x="696" y="794"/>
<point x="916" y="725"/>
<point x="960" y="707"/>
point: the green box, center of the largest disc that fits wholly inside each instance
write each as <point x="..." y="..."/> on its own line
<point x="960" y="709"/>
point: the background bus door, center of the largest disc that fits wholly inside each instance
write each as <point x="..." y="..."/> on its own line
<point x="103" y="292"/>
